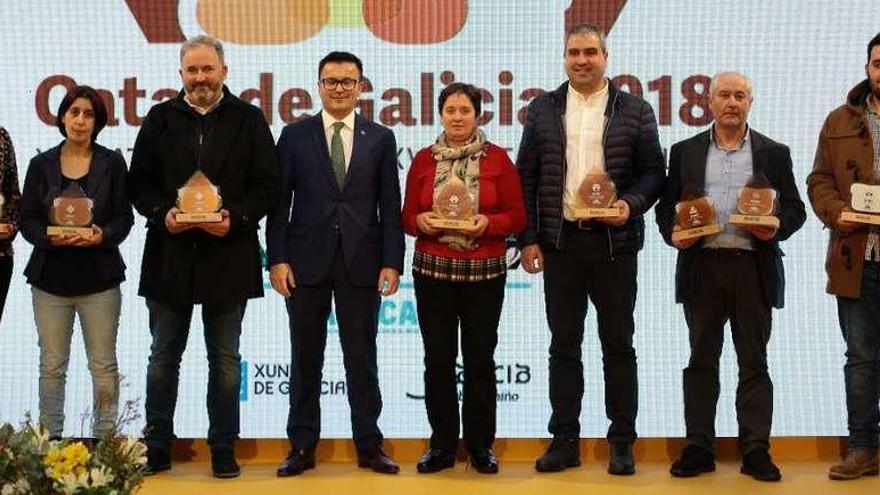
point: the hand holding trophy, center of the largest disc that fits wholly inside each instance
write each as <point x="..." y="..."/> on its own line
<point x="756" y="205"/>
<point x="695" y="218"/>
<point x="866" y="205"/>
<point x="199" y="201"/>
<point x="71" y="214"/>
<point x="5" y="227"/>
<point x="595" y="196"/>
<point x="453" y="207"/>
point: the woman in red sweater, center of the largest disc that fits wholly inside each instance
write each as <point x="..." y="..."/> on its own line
<point x="459" y="274"/>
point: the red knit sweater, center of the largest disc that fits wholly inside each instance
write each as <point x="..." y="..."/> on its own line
<point x="501" y="200"/>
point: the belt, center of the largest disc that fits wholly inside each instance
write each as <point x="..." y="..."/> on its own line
<point x="728" y="251"/>
<point x="584" y="225"/>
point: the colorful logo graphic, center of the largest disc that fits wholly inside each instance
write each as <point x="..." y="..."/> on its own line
<point x="602" y="13"/>
<point x="243" y="390"/>
<point x="275" y="22"/>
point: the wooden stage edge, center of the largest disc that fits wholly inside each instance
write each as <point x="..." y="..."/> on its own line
<point x="800" y="449"/>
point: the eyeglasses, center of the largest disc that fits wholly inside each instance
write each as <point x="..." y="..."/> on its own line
<point x="347" y="84"/>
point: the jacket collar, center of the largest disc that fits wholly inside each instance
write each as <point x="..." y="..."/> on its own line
<point x="180" y="102"/>
<point x="361" y="135"/>
<point x="97" y="167"/>
<point x="757" y="140"/>
<point x="559" y="96"/>
<point x="855" y="99"/>
<point x="694" y="156"/>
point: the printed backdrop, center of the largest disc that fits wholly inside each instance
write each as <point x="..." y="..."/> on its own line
<point x="803" y="55"/>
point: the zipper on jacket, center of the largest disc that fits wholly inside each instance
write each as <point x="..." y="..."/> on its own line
<point x="604" y="138"/>
<point x="561" y="124"/>
<point x="201" y="138"/>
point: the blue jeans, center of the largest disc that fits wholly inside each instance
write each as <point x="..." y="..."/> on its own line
<point x="860" y="323"/>
<point x="99" y="320"/>
<point x="169" y="326"/>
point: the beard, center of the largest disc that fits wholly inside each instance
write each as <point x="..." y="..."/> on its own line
<point x="875" y="89"/>
<point x="204" y="95"/>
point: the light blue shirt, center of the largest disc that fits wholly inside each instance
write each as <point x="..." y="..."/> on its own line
<point x="728" y="171"/>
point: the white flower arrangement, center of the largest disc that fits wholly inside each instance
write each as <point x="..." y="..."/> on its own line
<point x="31" y="464"/>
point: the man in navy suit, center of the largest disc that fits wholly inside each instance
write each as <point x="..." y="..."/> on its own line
<point x="338" y="236"/>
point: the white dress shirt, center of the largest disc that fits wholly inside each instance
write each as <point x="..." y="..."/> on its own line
<point x="347" y="133"/>
<point x="584" y="130"/>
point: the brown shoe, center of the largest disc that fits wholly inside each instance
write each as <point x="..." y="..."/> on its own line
<point x="857" y="463"/>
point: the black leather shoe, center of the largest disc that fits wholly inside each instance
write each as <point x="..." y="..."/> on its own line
<point x="694" y="461"/>
<point x="378" y="461"/>
<point x="563" y="453"/>
<point x="758" y="465"/>
<point x="484" y="461"/>
<point x="436" y="460"/>
<point x="621" y="461"/>
<point x="158" y="460"/>
<point x="297" y="461"/>
<point x="223" y="464"/>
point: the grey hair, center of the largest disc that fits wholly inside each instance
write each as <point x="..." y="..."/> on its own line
<point x="587" y="29"/>
<point x="713" y="85"/>
<point x="202" y="40"/>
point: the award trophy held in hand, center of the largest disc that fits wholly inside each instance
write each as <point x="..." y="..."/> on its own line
<point x="199" y="201"/>
<point x="866" y="204"/>
<point x="5" y="227"/>
<point x="595" y="196"/>
<point x="695" y="218"/>
<point x="453" y="207"/>
<point x="71" y="213"/>
<point x="756" y="204"/>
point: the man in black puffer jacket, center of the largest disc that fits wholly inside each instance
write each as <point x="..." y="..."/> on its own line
<point x="588" y="126"/>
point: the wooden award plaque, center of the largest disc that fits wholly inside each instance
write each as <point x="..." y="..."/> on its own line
<point x="695" y="218"/>
<point x="866" y="203"/>
<point x="756" y="206"/>
<point x="5" y="227"/>
<point x="453" y="207"/>
<point x="595" y="196"/>
<point x="199" y="201"/>
<point x="71" y="213"/>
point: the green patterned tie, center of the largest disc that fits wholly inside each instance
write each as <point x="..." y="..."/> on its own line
<point x="337" y="153"/>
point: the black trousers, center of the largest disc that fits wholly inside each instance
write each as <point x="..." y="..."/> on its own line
<point x="585" y="270"/>
<point x="729" y="288"/>
<point x="357" y="312"/>
<point x="476" y="306"/>
<point x="5" y="278"/>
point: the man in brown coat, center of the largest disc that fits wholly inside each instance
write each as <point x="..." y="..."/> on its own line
<point x="848" y="153"/>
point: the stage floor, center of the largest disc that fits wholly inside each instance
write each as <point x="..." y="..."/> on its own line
<point x="652" y="478"/>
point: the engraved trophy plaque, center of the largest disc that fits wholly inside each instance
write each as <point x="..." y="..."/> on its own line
<point x="71" y="213"/>
<point x="756" y="204"/>
<point x="198" y="200"/>
<point x="866" y="204"/>
<point x="453" y="207"/>
<point x="5" y="227"/>
<point x="695" y="218"/>
<point x="595" y="196"/>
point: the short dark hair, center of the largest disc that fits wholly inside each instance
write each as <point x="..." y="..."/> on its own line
<point x="341" y="57"/>
<point x="875" y="41"/>
<point x="587" y="29"/>
<point x="98" y="108"/>
<point x="466" y="89"/>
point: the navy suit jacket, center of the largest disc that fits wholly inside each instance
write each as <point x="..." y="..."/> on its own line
<point x="687" y="171"/>
<point x="315" y="214"/>
<point x="111" y="209"/>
